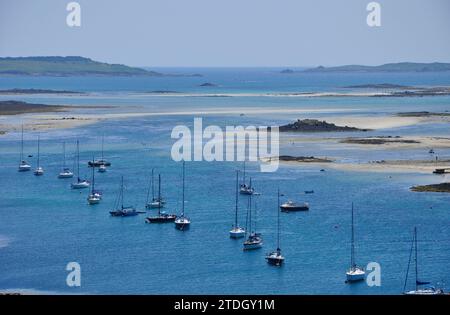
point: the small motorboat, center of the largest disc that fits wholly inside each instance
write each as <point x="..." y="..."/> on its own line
<point x="309" y="191"/>
<point x="124" y="212"/>
<point x="98" y="163"/>
<point x="293" y="206"/>
<point x="162" y="217"/>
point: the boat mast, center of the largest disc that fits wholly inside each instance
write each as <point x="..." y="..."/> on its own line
<point x="38" y="151"/>
<point x="409" y="264"/>
<point x="159" y="194"/>
<point x="93" y="176"/>
<point x="415" y="254"/>
<point x="121" y="191"/>
<point x="244" y="174"/>
<point x="237" y="196"/>
<point x="64" y="155"/>
<point x="278" y="219"/>
<point x="182" y="204"/>
<point x="250" y="213"/>
<point x="153" y="186"/>
<point x="352" y="258"/>
<point x="21" y="147"/>
<point x="78" y="160"/>
<point x="103" y="137"/>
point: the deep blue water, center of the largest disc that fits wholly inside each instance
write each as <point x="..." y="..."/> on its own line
<point x="44" y="225"/>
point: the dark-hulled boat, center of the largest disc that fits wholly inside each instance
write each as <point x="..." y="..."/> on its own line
<point x="294" y="206"/>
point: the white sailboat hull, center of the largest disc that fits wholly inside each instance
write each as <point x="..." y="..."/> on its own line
<point x="355" y="274"/>
<point x="39" y="171"/>
<point x="237" y="232"/>
<point x="24" y="167"/>
<point x="429" y="291"/>
<point x="80" y="185"/>
<point x="65" y="175"/>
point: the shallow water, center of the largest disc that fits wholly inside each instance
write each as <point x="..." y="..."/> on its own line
<point x="44" y="225"/>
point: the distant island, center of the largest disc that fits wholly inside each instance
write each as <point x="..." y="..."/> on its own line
<point x="19" y="107"/>
<point x="389" y="67"/>
<point x="66" y="66"/>
<point x="208" y="84"/>
<point x="314" y="125"/>
<point x="37" y="91"/>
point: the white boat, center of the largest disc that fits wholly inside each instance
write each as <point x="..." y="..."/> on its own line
<point x="119" y="209"/>
<point x="39" y="171"/>
<point x="100" y="162"/>
<point x="94" y="196"/>
<point x="156" y="202"/>
<point x="418" y="283"/>
<point x="254" y="239"/>
<point x="244" y="188"/>
<point x="80" y="183"/>
<point x="102" y="168"/>
<point x="182" y="222"/>
<point x="23" y="165"/>
<point x="275" y="258"/>
<point x="237" y="231"/>
<point x="354" y="273"/>
<point x="294" y="206"/>
<point x="65" y="172"/>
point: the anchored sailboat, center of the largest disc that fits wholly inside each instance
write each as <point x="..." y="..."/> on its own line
<point x="275" y="258"/>
<point x="182" y="222"/>
<point x="81" y="183"/>
<point x="23" y="166"/>
<point x="120" y="209"/>
<point x="100" y="162"/>
<point x="254" y="240"/>
<point x="237" y="231"/>
<point x="354" y="273"/>
<point x="94" y="196"/>
<point x="246" y="189"/>
<point x="418" y="283"/>
<point x="39" y="170"/>
<point x="162" y="217"/>
<point x="156" y="202"/>
<point x="65" y="171"/>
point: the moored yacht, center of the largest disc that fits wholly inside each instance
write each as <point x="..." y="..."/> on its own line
<point x="354" y="273"/>
<point x="244" y="188"/>
<point x="65" y="171"/>
<point x="80" y="183"/>
<point x="94" y="196"/>
<point x="182" y="222"/>
<point x="275" y="258"/>
<point x="419" y="289"/>
<point x="100" y="162"/>
<point x="294" y="206"/>
<point x="237" y="231"/>
<point x="119" y="209"/>
<point x="156" y="202"/>
<point x="39" y="171"/>
<point x="162" y="216"/>
<point x="254" y="239"/>
<point x="23" y="165"/>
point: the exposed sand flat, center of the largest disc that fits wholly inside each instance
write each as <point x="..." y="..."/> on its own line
<point x="403" y="143"/>
<point x="397" y="166"/>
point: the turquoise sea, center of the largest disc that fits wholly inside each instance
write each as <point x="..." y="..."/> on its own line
<point x="44" y="224"/>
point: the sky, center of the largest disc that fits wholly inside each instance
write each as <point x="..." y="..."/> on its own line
<point x="229" y="33"/>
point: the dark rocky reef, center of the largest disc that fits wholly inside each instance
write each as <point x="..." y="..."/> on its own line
<point x="442" y="187"/>
<point x="314" y="125"/>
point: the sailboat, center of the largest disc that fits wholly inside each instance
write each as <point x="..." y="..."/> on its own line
<point x="81" y="183"/>
<point x="246" y="189"/>
<point x="23" y="166"/>
<point x="94" y="196"/>
<point x="157" y="202"/>
<point x="418" y="283"/>
<point x="120" y="209"/>
<point x="162" y="216"/>
<point x="275" y="258"/>
<point x="237" y="231"/>
<point x="254" y="240"/>
<point x="65" y="172"/>
<point x="39" y="171"/>
<point x="182" y="222"/>
<point x="354" y="273"/>
<point x="100" y="162"/>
